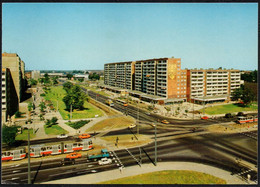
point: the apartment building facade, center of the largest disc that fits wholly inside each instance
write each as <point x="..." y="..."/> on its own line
<point x="164" y="79"/>
<point x="212" y="85"/>
<point x="8" y="95"/>
<point x="160" y="77"/>
<point x="17" y="68"/>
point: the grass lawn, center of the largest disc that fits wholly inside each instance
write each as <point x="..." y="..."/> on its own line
<point x="54" y="130"/>
<point x="229" y="108"/>
<point x="57" y="93"/>
<point x="112" y="123"/>
<point x="24" y="135"/>
<point x="169" y="177"/>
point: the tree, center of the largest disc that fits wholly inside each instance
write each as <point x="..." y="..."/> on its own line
<point x="46" y="79"/>
<point x="55" y="80"/>
<point x="41" y="80"/>
<point x="18" y="114"/>
<point x="67" y="86"/>
<point x="9" y="134"/>
<point x="30" y="106"/>
<point x="69" y="76"/>
<point x="248" y="96"/>
<point x="42" y="106"/>
<point x="249" y="77"/>
<point x="94" y="76"/>
<point x="80" y="79"/>
<point x="51" y="122"/>
<point x="33" y="82"/>
<point x="237" y="94"/>
<point x="75" y="97"/>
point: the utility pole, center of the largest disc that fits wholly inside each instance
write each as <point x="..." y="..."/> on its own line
<point x="155" y="146"/>
<point x="29" y="167"/>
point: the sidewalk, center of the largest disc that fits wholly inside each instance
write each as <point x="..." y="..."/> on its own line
<point x="146" y="168"/>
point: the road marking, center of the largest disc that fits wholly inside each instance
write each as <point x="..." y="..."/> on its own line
<point x="133" y="157"/>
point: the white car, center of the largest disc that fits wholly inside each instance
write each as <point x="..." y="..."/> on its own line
<point x="62" y="136"/>
<point x="132" y="126"/>
<point x="104" y="161"/>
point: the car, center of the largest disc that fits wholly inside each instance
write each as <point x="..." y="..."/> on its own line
<point x="205" y="117"/>
<point x="148" y="113"/>
<point x="66" y="161"/>
<point x="104" y="161"/>
<point x="165" y="121"/>
<point x="84" y="136"/>
<point x="62" y="136"/>
<point x="74" y="155"/>
<point x="132" y="126"/>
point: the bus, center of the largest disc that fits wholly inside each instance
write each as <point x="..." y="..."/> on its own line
<point x="247" y="119"/>
<point x="124" y="103"/>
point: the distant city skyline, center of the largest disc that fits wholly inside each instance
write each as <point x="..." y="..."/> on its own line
<point x="82" y="36"/>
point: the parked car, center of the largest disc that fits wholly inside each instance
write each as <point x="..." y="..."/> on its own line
<point x="148" y="113"/>
<point x="62" y="136"/>
<point x="104" y="161"/>
<point x="132" y="126"/>
<point x="84" y="136"/>
<point x="165" y="121"/>
<point x="66" y="161"/>
<point x="74" y="155"/>
<point x="205" y="117"/>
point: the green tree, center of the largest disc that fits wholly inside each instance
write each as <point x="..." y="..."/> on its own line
<point x="237" y="94"/>
<point x="69" y="76"/>
<point x="67" y="86"/>
<point x="80" y="79"/>
<point x="248" y="96"/>
<point x="54" y="120"/>
<point x="18" y="114"/>
<point x="55" y="80"/>
<point x="41" y="80"/>
<point x="9" y="134"/>
<point x="75" y="97"/>
<point x="30" y="106"/>
<point x="46" y="79"/>
<point x="33" y="82"/>
<point x="42" y="106"/>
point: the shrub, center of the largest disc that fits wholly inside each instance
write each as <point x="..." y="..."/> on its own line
<point x="18" y="114"/>
<point x="78" y="124"/>
<point x="43" y="94"/>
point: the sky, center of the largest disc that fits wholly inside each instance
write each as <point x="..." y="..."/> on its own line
<point x="85" y="36"/>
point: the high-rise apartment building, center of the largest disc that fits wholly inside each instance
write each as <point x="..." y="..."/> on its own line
<point x="160" y="77"/>
<point x="9" y="96"/>
<point x="164" y="79"/>
<point x="36" y="74"/>
<point x="212" y="85"/>
<point x="16" y="66"/>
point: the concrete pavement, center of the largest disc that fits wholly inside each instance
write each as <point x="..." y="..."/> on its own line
<point x="146" y="168"/>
